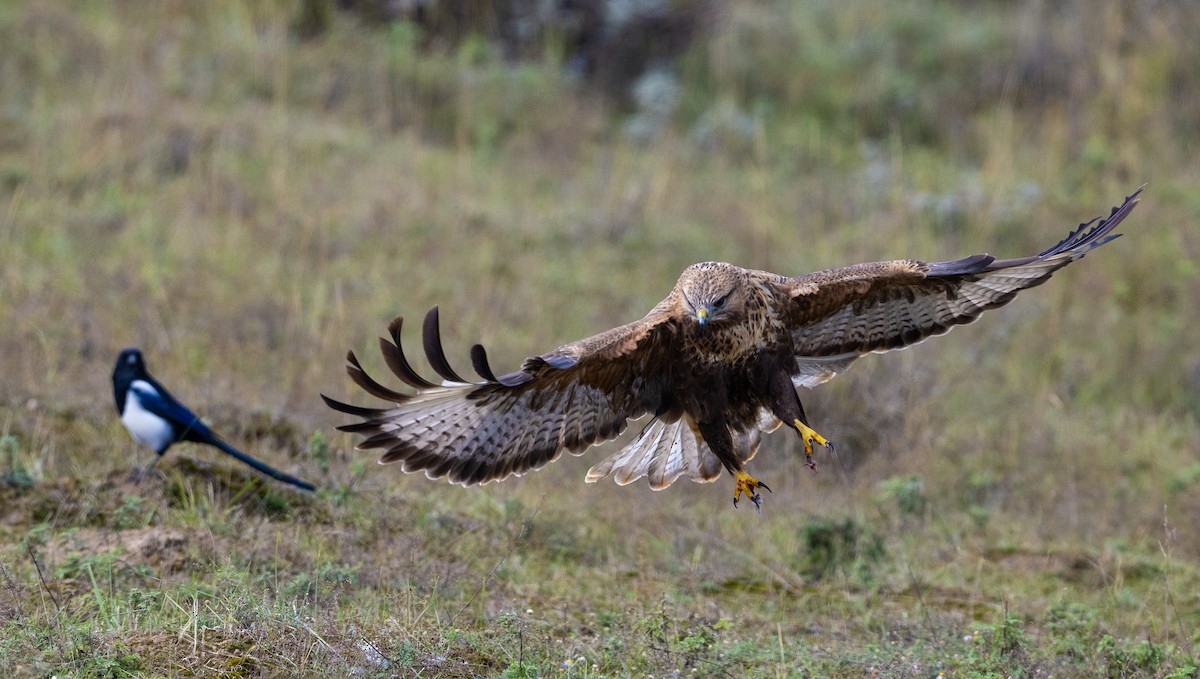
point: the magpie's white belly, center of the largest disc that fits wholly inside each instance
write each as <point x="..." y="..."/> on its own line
<point x="146" y="428"/>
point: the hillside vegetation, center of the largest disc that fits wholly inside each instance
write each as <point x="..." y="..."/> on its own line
<point x="245" y="202"/>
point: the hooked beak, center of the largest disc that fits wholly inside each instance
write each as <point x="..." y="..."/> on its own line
<point x="702" y="316"/>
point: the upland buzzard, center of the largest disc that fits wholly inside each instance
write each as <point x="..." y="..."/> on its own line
<point x="716" y="364"/>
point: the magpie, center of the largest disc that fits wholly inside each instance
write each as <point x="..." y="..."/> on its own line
<point x="155" y="419"/>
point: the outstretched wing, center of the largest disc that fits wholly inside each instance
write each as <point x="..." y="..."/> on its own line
<point x="840" y="314"/>
<point x="576" y="396"/>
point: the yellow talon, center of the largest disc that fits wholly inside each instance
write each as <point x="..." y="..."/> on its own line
<point x="809" y="437"/>
<point x="744" y="483"/>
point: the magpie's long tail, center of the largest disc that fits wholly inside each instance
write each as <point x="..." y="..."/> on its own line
<point x="264" y="468"/>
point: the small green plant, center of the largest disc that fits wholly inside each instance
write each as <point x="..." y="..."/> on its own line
<point x="1126" y="658"/>
<point x="1189" y="670"/>
<point x="980" y="516"/>
<point x="1008" y="637"/>
<point x="132" y="513"/>
<point x="521" y="669"/>
<point x="276" y="504"/>
<point x="37" y="537"/>
<point x="1184" y="479"/>
<point x="318" y="448"/>
<point x="15" y="474"/>
<point x="145" y="600"/>
<point x="832" y="546"/>
<point x="406" y="654"/>
<point x="908" y="492"/>
<point x="1071" y="626"/>
<point x="326" y="578"/>
<point x="696" y="644"/>
<point x="123" y="665"/>
<point x="83" y="566"/>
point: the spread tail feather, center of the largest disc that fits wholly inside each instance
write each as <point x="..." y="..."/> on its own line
<point x="662" y="451"/>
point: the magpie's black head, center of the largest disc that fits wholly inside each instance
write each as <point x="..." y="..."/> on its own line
<point x="130" y="367"/>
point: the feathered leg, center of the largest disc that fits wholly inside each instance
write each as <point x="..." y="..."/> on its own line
<point x="716" y="435"/>
<point x="785" y="403"/>
<point x="808" y="436"/>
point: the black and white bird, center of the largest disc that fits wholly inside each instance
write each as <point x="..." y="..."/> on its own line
<point x="155" y="419"/>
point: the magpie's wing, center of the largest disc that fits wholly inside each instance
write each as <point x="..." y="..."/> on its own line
<point x="158" y="401"/>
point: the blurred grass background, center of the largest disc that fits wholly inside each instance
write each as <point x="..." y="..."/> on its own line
<point x="246" y="190"/>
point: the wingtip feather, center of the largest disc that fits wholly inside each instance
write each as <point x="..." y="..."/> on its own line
<point x="479" y="361"/>
<point x="431" y="336"/>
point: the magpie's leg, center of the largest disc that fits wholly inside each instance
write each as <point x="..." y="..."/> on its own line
<point x="141" y="472"/>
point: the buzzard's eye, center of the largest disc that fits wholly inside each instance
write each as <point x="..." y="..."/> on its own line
<point x="720" y="302"/>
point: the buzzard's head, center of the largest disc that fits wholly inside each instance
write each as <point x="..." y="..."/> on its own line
<point x="712" y="292"/>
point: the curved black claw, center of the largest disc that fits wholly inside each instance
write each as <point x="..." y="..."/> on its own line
<point x="756" y="499"/>
<point x="749" y="486"/>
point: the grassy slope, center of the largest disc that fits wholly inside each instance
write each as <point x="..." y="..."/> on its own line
<point x="1016" y="498"/>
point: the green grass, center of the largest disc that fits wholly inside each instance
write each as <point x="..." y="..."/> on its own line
<point x="1015" y="499"/>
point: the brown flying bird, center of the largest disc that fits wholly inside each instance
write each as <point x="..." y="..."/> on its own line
<point x="716" y="364"/>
